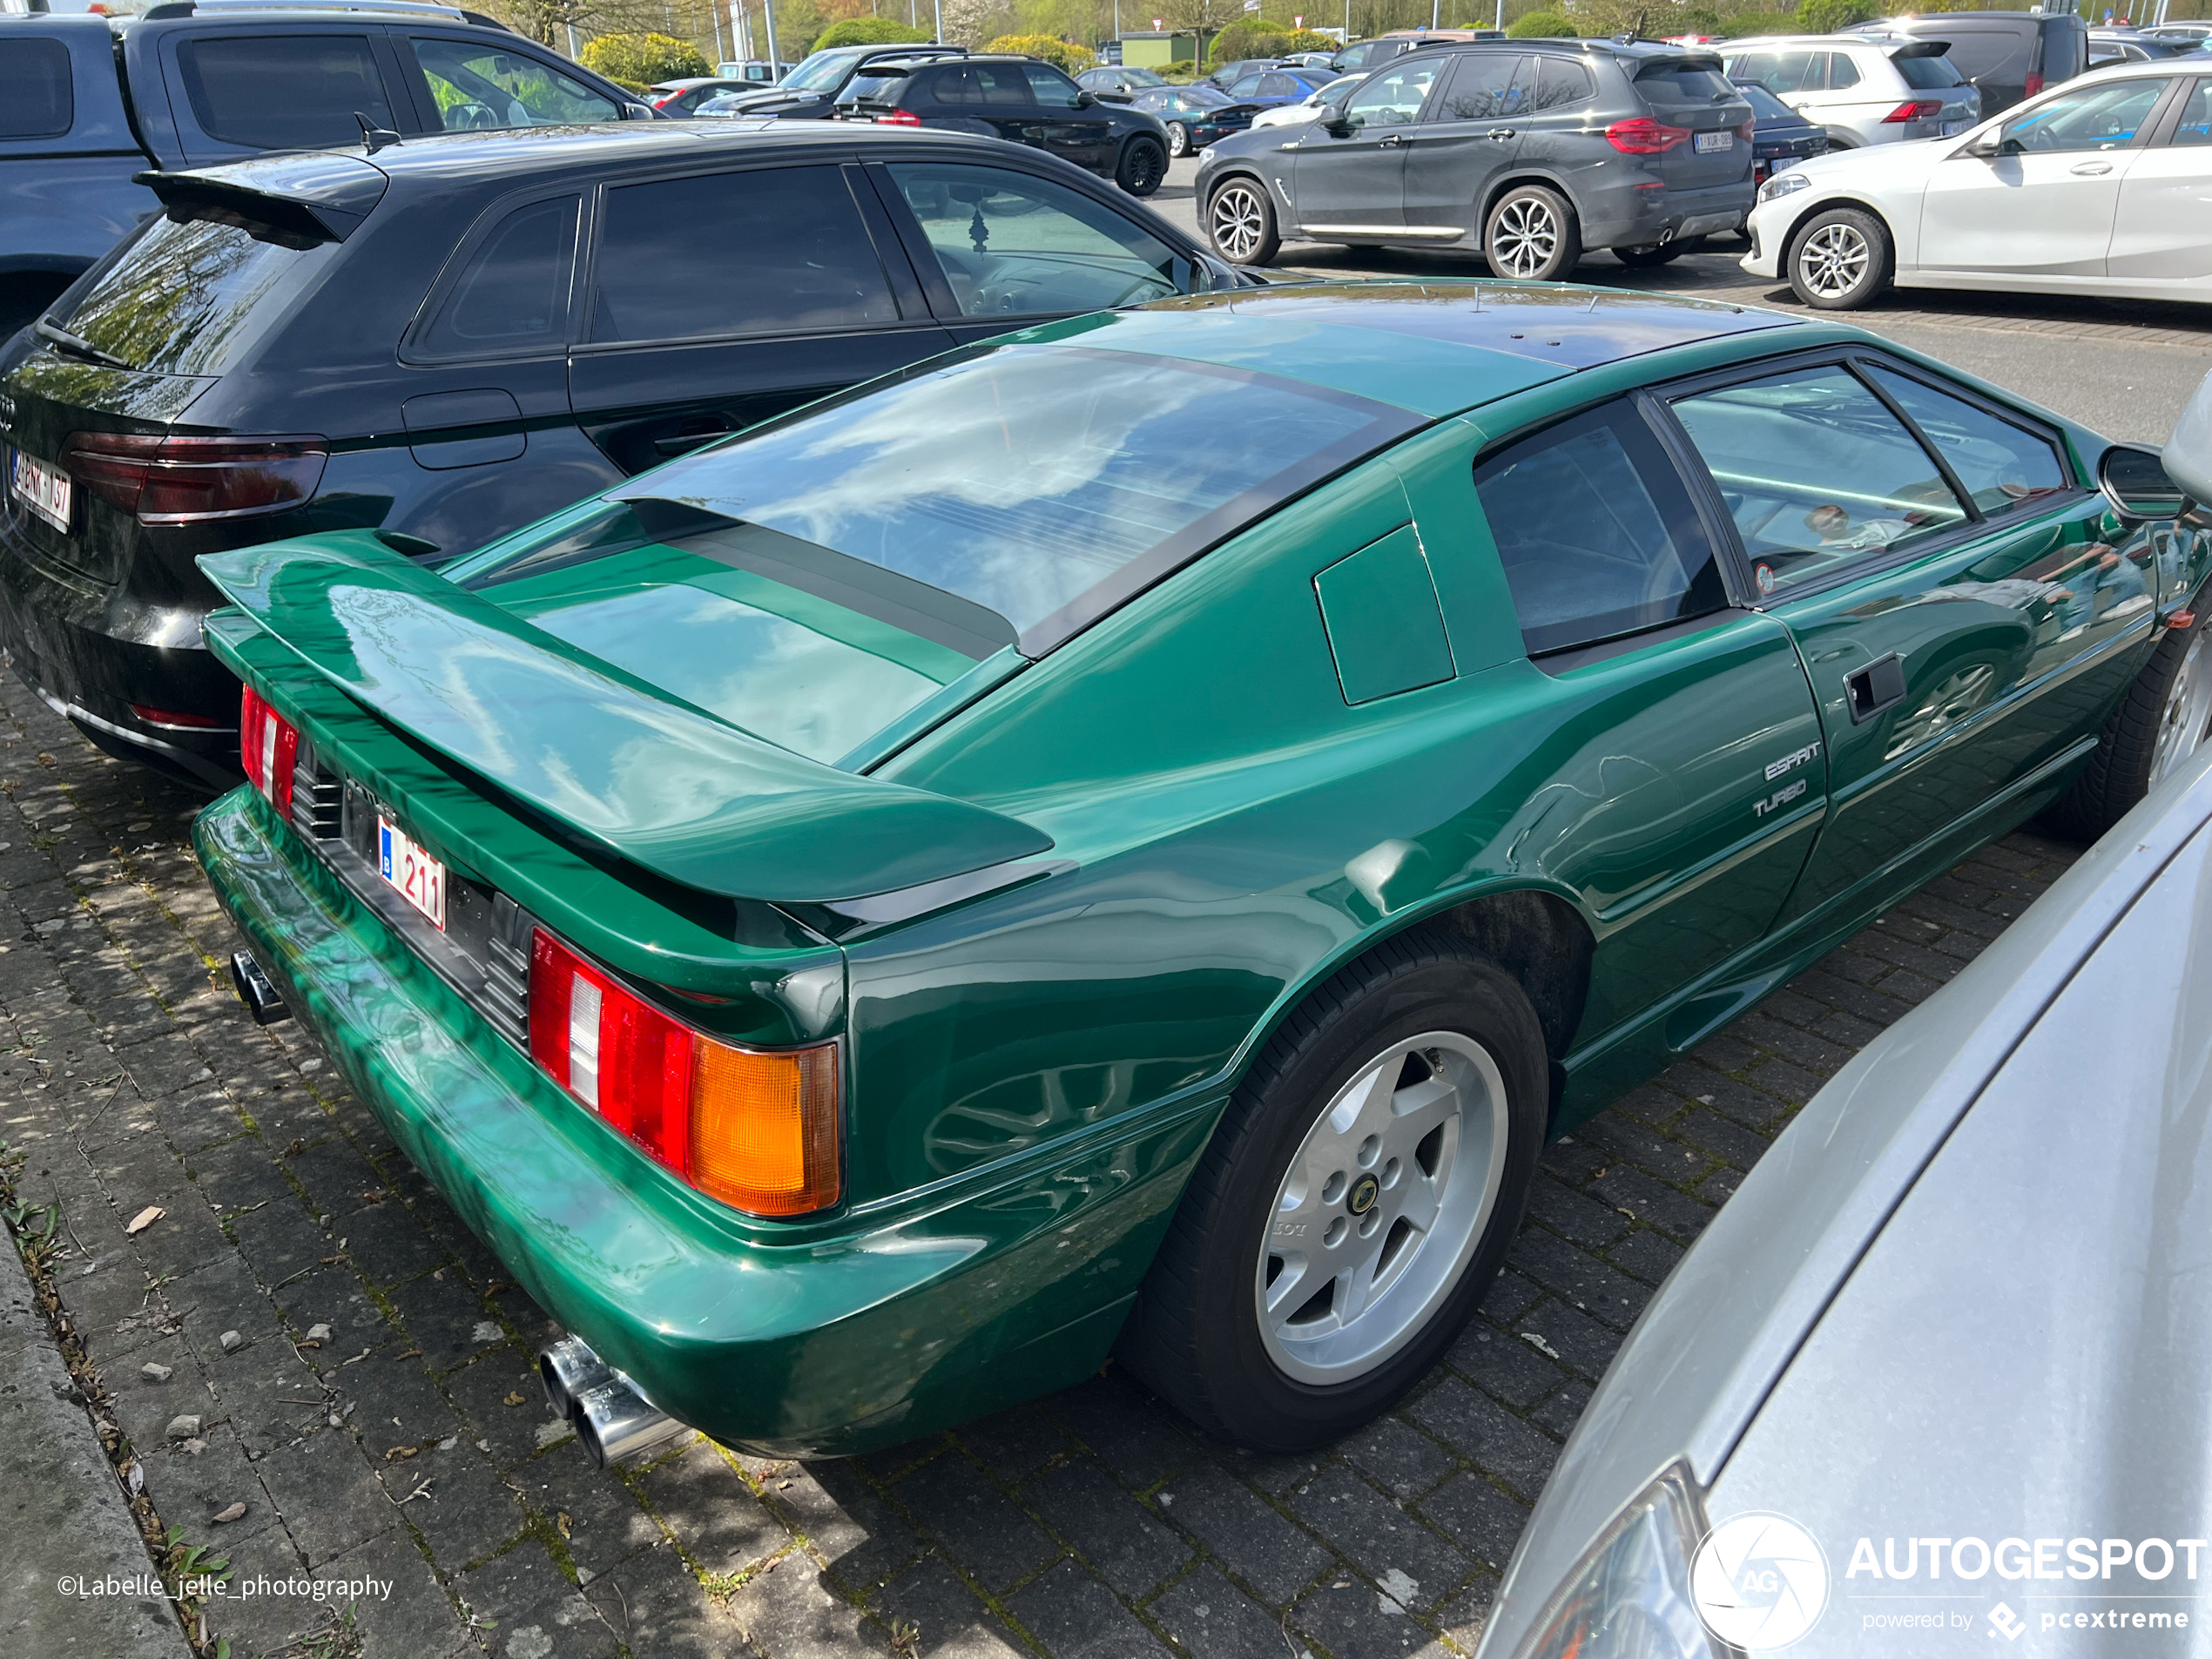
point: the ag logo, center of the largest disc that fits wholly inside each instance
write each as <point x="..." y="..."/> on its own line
<point x="1363" y="1195"/>
<point x="1759" y="1581"/>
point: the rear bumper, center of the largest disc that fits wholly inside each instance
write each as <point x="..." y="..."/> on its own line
<point x="64" y="638"/>
<point x="1625" y="217"/>
<point x="798" y="1341"/>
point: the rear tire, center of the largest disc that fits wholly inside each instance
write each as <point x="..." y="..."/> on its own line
<point x="1240" y="222"/>
<point x="1317" y="1268"/>
<point x="1144" y="166"/>
<point x="1839" y="259"/>
<point x="1178" y="140"/>
<point x="2164" y="719"/>
<point x="1531" y="235"/>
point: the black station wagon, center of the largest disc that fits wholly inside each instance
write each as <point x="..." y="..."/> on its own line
<point x="445" y="339"/>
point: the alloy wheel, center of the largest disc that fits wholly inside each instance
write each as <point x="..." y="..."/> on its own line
<point x="1524" y="238"/>
<point x="2187" y="717"/>
<point x="1178" y="138"/>
<point x="1834" y="260"/>
<point x="1381" y="1207"/>
<point x="1238" y="219"/>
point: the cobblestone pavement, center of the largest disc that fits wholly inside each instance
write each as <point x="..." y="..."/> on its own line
<point x="410" y="1444"/>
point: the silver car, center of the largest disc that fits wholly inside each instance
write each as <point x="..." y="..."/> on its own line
<point x="1937" y="1376"/>
<point x="1862" y="89"/>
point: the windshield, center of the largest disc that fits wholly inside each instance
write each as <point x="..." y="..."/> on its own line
<point x="1764" y="104"/>
<point x="188" y="299"/>
<point x="1039" y="486"/>
<point x="822" y="69"/>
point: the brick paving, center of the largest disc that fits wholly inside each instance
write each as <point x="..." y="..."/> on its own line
<point x="411" y="1443"/>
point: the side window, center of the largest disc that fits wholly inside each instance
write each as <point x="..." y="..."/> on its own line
<point x="479" y="87"/>
<point x="1278" y="86"/>
<point x="1596" y="532"/>
<point x="1245" y="86"/>
<point x="766" y="252"/>
<point x="1818" y="474"/>
<point x="2096" y="118"/>
<point x="1560" y="83"/>
<point x="515" y="295"/>
<point x="1485" y="86"/>
<point x="2001" y="465"/>
<point x="283" y="91"/>
<point x="1842" y="72"/>
<point x="957" y="84"/>
<point x="2196" y="116"/>
<point x="1785" y="72"/>
<point x="37" y="100"/>
<point x="1004" y="86"/>
<point x="1051" y="89"/>
<point x="1394" y="95"/>
<point x="1012" y="245"/>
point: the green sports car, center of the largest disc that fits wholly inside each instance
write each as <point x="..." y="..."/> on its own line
<point x="1128" y="838"/>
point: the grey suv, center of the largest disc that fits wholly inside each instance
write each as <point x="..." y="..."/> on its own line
<point x="1529" y="152"/>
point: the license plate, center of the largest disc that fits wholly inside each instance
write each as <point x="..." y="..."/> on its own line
<point x="42" y="488"/>
<point x="1708" y="144"/>
<point x="419" y="878"/>
<point x="1953" y="129"/>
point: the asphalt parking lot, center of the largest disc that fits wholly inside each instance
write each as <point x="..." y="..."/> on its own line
<point x="358" y="1370"/>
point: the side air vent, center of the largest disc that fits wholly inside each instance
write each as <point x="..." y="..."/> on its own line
<point x="316" y="794"/>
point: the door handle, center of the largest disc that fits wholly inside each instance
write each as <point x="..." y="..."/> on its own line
<point x="1497" y="135"/>
<point x="1395" y="141"/>
<point x="2090" y="169"/>
<point x="1878" y="686"/>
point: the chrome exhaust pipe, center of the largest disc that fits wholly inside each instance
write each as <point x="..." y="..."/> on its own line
<point x="615" y="1423"/>
<point x="570" y="1369"/>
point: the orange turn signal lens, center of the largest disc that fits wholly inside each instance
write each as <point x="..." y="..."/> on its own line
<point x="764" y="1129"/>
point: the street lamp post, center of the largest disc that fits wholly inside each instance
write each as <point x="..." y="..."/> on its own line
<point x="768" y="17"/>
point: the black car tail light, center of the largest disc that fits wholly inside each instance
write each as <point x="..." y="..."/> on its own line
<point x="1644" y="137"/>
<point x="182" y="481"/>
<point x="897" y="118"/>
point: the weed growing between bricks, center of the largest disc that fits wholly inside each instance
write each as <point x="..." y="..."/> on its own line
<point x="409" y="1437"/>
<point x="39" y="1240"/>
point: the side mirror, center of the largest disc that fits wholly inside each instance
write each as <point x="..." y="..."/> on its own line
<point x="1341" y="126"/>
<point x="2136" y="486"/>
<point x="1086" y="98"/>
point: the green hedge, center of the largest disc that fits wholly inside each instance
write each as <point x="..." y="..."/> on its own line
<point x="1542" y="26"/>
<point x="644" y="60"/>
<point x="868" y="32"/>
<point x="1242" y="40"/>
<point x="1061" y="53"/>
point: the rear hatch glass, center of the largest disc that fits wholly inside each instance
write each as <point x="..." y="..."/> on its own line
<point x="1926" y="72"/>
<point x="878" y="87"/>
<point x="1998" y="54"/>
<point x="1695" y="93"/>
<point x="817" y="580"/>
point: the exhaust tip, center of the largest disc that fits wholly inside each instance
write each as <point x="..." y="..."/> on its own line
<point x="257" y="990"/>
<point x="613" y="1423"/>
<point x="569" y="1369"/>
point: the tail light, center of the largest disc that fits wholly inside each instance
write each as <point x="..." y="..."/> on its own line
<point x="1749" y="129"/>
<point x="1926" y="109"/>
<point x="757" y="1131"/>
<point x="2034" y="82"/>
<point x="1644" y="137"/>
<point x="268" y="747"/>
<point x="182" y="481"/>
<point x="897" y="118"/>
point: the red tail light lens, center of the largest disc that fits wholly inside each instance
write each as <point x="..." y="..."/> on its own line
<point x="2034" y="82"/>
<point x="1644" y="137"/>
<point x="897" y="118"/>
<point x="1748" y="129"/>
<point x="757" y="1131"/>
<point x="180" y="481"/>
<point x="1926" y="109"/>
<point x="268" y="747"/>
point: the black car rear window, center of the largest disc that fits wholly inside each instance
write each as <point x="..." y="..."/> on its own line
<point x="1929" y="73"/>
<point x="515" y="295"/>
<point x="874" y="86"/>
<point x="1764" y="105"/>
<point x="1675" y="82"/>
<point x="189" y="299"/>
<point x="284" y="91"/>
<point x="35" y="101"/>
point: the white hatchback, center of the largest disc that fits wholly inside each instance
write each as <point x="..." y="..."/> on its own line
<point x="1863" y="89"/>
<point x="2103" y="186"/>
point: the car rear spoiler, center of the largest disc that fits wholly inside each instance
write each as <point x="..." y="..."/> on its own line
<point x="293" y="201"/>
<point x="1920" y="48"/>
<point x="654" y="781"/>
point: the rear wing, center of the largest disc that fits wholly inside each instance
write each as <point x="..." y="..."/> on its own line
<point x="655" y="781"/>
<point x="296" y="201"/>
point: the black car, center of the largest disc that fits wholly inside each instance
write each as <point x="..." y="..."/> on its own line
<point x="1779" y="134"/>
<point x="810" y="92"/>
<point x="1195" y="116"/>
<point x="1020" y="99"/>
<point x="2007" y="54"/>
<point x="439" y="341"/>
<point x="87" y="103"/>
<point x="677" y="98"/>
<point x="2110" y="46"/>
<point x="1528" y="151"/>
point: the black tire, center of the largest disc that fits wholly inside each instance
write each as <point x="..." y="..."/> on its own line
<point x="1531" y="235"/>
<point x="1840" y="259"/>
<point x="1643" y="259"/>
<point x="2135" y="751"/>
<point x="1194" y="1335"/>
<point x="1143" y="165"/>
<point x="1178" y="138"/>
<point x="1240" y="217"/>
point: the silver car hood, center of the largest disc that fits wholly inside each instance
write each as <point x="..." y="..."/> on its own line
<point x="1730" y="1320"/>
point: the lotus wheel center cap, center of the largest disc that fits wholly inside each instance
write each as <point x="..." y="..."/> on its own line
<point x="1364" y="1195"/>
